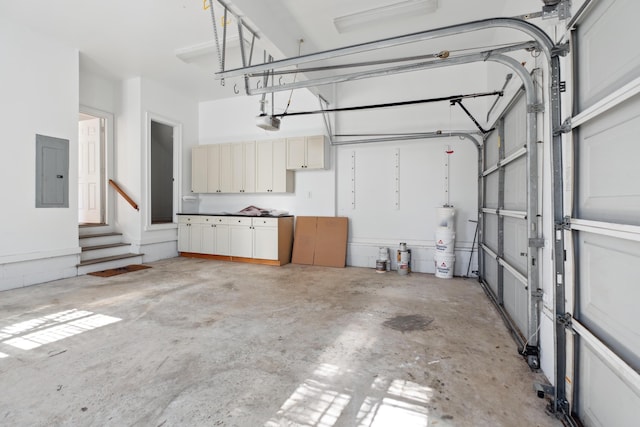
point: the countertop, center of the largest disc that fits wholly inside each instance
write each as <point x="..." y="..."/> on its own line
<point x="231" y="214"/>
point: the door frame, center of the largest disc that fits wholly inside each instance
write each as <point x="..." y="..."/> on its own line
<point x="177" y="171"/>
<point x="106" y="161"/>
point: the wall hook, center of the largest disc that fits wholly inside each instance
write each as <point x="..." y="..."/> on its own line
<point x="258" y="84"/>
<point x="280" y="81"/>
<point x="235" y="89"/>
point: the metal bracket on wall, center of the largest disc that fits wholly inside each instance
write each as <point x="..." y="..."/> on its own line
<point x="561" y="49"/>
<point x="535" y="108"/>
<point x="536" y="243"/>
<point x="564" y="320"/>
<point x="565" y="127"/>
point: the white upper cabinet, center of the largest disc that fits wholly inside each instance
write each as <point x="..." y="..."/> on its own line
<point x="272" y="175"/>
<point x="306" y="152"/>
<point x="225" y="167"/>
<point x="243" y="167"/>
<point x="199" y="169"/>
<point x="213" y="168"/>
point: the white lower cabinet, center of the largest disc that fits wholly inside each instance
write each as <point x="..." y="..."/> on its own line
<point x="203" y="234"/>
<point x="252" y="238"/>
<point x="241" y="237"/>
<point x="265" y="238"/>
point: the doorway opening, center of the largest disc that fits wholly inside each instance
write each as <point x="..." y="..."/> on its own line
<point x="91" y="169"/>
<point x="163" y="192"/>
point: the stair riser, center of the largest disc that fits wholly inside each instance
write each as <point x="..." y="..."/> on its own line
<point x="108" y="265"/>
<point x="101" y="240"/>
<point x="85" y="231"/>
<point x="101" y="253"/>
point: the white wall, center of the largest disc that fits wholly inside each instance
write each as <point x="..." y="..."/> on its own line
<point x="141" y="99"/>
<point x="233" y="120"/>
<point x="375" y="221"/>
<point x="39" y="86"/>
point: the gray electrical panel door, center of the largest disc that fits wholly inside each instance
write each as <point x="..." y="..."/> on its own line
<point x="52" y="172"/>
<point x="604" y="221"/>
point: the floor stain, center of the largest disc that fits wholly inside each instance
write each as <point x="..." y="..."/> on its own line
<point x="412" y="322"/>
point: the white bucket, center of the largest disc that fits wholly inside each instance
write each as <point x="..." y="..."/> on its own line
<point x="383" y="254"/>
<point x="444" y="264"/>
<point x="445" y="240"/>
<point x="446" y="217"/>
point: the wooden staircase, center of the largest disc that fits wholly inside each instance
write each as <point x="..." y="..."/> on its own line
<point x="103" y="249"/>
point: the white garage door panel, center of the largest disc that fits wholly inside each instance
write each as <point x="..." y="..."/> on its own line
<point x="515" y="127"/>
<point x="606" y="59"/>
<point x="515" y="300"/>
<point x="515" y="185"/>
<point x="491" y="191"/>
<point x="491" y="231"/>
<point x="491" y="150"/>
<point x="491" y="273"/>
<point x="606" y="400"/>
<point x="608" y="272"/>
<point x="515" y="243"/>
<point x="609" y="176"/>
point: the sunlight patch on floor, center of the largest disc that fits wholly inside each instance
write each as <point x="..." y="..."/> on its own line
<point x="52" y="328"/>
<point x="318" y="403"/>
<point x="404" y="405"/>
<point x="2" y="355"/>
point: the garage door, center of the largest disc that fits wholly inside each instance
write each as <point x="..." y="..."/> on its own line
<point x="504" y="237"/>
<point x="604" y="222"/>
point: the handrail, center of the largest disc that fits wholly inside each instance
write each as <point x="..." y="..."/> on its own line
<point x="123" y="194"/>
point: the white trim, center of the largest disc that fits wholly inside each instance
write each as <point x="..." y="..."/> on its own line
<point x="32" y="256"/>
<point x="177" y="171"/>
<point x="616" y="98"/>
<point x="625" y="372"/>
<point x="621" y="231"/>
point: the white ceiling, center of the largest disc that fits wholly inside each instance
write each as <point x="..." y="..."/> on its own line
<point x="127" y="38"/>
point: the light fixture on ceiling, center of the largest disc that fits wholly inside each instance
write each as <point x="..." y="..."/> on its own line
<point x="368" y="17"/>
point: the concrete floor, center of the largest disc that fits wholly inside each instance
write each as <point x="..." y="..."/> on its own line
<point x="192" y="342"/>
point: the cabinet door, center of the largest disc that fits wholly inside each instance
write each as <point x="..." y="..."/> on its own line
<point x="281" y="177"/>
<point x="241" y="240"/>
<point x="222" y="239"/>
<point x="264" y="166"/>
<point x="199" y="169"/>
<point x="226" y="173"/>
<point x="250" y="167"/>
<point x="209" y="238"/>
<point x="237" y="168"/>
<point x="296" y="153"/>
<point x="213" y="168"/>
<point x="184" y="237"/>
<point x="315" y="152"/>
<point x="196" y="230"/>
<point x="265" y="238"/>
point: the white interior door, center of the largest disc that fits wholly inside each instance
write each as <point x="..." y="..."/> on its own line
<point x="90" y="170"/>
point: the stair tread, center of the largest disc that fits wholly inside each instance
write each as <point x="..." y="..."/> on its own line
<point x="108" y="258"/>
<point x="87" y="236"/>
<point x="112" y="245"/>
